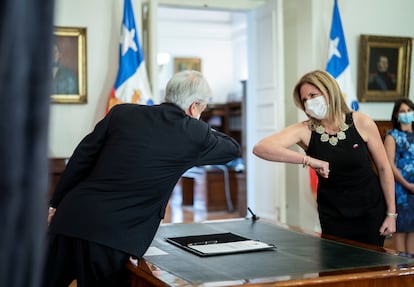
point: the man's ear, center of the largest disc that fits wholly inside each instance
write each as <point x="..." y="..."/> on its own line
<point x="193" y="109"/>
<point x="190" y="111"/>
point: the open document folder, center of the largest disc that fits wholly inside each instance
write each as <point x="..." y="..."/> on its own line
<point x="218" y="244"/>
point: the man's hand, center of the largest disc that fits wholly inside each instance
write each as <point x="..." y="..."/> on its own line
<point x="52" y="211"/>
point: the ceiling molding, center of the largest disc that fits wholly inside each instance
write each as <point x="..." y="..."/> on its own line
<point x="238" y="5"/>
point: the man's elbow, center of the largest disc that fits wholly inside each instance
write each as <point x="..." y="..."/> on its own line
<point x="238" y="151"/>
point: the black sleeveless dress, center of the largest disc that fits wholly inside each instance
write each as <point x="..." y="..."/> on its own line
<point x="351" y="203"/>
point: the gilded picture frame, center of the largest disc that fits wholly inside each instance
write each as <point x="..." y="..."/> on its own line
<point x="69" y="66"/>
<point x="384" y="68"/>
<point x="181" y="64"/>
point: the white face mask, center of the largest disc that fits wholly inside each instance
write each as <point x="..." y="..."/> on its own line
<point x="316" y="107"/>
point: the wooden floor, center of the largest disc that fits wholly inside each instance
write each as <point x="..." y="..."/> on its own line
<point x="178" y="213"/>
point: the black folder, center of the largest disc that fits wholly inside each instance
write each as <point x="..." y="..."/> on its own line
<point x="218" y="244"/>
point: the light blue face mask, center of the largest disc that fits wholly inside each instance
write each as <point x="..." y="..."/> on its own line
<point x="406" y="118"/>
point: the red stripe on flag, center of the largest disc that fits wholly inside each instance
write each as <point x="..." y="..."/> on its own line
<point x="313" y="180"/>
<point x="113" y="100"/>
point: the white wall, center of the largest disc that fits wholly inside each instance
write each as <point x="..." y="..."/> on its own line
<point x="69" y="123"/>
<point x="373" y="17"/>
<point x="376" y="17"/>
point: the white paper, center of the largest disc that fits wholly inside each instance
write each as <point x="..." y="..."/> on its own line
<point x="230" y="247"/>
<point x="153" y="251"/>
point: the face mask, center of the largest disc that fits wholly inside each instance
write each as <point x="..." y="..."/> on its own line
<point x="406" y="118"/>
<point x="316" y="107"/>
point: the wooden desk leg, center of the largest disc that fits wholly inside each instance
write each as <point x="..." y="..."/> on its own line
<point x="241" y="194"/>
<point x="187" y="189"/>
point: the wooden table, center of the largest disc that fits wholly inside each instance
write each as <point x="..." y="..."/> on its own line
<point x="300" y="259"/>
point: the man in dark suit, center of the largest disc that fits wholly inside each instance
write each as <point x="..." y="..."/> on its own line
<point x="112" y="196"/>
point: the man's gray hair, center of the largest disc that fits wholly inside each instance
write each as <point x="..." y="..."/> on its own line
<point x="187" y="87"/>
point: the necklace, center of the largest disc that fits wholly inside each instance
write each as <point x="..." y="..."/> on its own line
<point x="333" y="140"/>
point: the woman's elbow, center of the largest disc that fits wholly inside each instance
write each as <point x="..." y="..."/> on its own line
<point x="258" y="150"/>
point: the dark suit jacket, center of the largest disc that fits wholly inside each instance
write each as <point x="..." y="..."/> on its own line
<point x="117" y="183"/>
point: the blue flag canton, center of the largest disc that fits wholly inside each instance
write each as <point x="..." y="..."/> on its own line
<point x="130" y="52"/>
<point x="338" y="55"/>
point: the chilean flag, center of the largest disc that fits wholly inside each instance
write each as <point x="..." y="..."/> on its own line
<point x="131" y="85"/>
<point x="338" y="61"/>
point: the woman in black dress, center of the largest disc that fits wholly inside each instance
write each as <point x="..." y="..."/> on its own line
<point x="354" y="202"/>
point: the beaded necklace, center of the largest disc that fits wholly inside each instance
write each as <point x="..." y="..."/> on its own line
<point x="332" y="139"/>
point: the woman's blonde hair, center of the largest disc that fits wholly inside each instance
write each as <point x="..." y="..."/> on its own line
<point x="329" y="87"/>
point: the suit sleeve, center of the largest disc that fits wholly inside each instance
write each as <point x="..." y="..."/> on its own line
<point x="82" y="161"/>
<point x="219" y="149"/>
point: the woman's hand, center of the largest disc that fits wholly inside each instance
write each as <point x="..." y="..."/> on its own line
<point x="388" y="227"/>
<point x="320" y="166"/>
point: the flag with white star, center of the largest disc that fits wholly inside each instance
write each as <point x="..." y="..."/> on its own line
<point x="131" y="85"/>
<point x="338" y="61"/>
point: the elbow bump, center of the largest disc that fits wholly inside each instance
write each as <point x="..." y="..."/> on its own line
<point x="257" y="150"/>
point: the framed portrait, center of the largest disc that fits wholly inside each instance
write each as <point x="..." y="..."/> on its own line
<point x="69" y="66"/>
<point x="181" y="64"/>
<point x="383" y="68"/>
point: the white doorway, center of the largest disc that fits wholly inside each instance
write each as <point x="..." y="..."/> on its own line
<point x="265" y="95"/>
